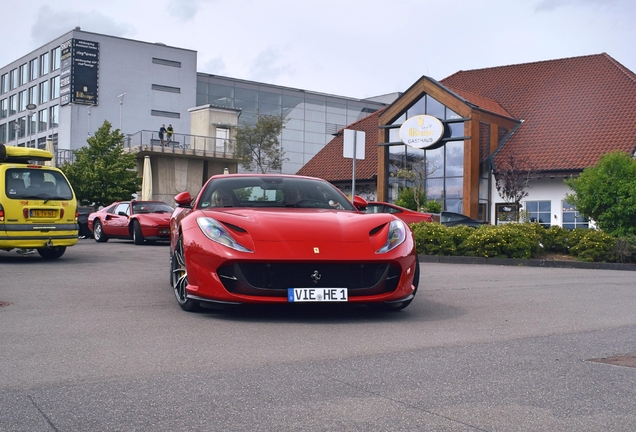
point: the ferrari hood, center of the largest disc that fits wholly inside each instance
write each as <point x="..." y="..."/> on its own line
<point x="291" y="225"/>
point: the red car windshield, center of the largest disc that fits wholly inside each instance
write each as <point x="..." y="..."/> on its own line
<point x="272" y="191"/>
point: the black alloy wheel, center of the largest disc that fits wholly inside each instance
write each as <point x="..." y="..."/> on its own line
<point x="179" y="278"/>
<point x="52" y="253"/>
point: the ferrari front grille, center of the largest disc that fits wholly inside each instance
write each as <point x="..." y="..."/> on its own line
<point x="273" y="279"/>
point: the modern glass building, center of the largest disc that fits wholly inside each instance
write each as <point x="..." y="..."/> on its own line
<point x="311" y="118"/>
<point x="64" y="90"/>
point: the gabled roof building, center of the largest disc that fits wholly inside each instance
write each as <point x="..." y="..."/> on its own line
<point x="557" y="117"/>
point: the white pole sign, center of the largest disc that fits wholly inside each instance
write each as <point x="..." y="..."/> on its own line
<point x="353" y="147"/>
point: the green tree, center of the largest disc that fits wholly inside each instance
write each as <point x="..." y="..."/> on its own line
<point x="406" y="198"/>
<point x="257" y="145"/>
<point x="512" y="179"/>
<point x="102" y="173"/>
<point x="606" y="193"/>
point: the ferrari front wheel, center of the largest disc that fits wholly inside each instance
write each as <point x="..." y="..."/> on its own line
<point x="137" y="235"/>
<point x="179" y="278"/>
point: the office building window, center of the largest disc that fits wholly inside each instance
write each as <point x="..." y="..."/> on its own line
<point x="572" y="218"/>
<point x="12" y="130"/>
<point x="55" y="58"/>
<point x="33" y="95"/>
<point x="165" y="62"/>
<point x="55" y="87"/>
<point x="31" y="123"/>
<point x="44" y="91"/>
<point x="4" y="83"/>
<point x="24" y="74"/>
<point x="54" y="116"/>
<point x="33" y="69"/>
<point x="4" y="108"/>
<point x="539" y="211"/>
<point x="165" y="114"/>
<point x="166" y="88"/>
<point x="45" y="64"/>
<point x="43" y="120"/>
<point x="21" y="127"/>
<point x="3" y="133"/>
<point x="22" y="101"/>
<point x="13" y="104"/>
<point x="13" y="79"/>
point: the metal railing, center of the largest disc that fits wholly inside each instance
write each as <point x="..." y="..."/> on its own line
<point x="145" y="140"/>
<point x="186" y="144"/>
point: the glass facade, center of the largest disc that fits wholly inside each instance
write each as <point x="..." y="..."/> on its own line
<point x="311" y="118"/>
<point x="441" y="170"/>
<point x="31" y="82"/>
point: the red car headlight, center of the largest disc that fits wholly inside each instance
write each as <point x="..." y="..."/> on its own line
<point x="217" y="233"/>
<point x="395" y="236"/>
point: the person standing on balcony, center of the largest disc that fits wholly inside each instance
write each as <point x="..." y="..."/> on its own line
<point x="169" y="133"/>
<point x="162" y="130"/>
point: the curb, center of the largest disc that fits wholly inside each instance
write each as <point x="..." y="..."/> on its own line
<point x="443" y="259"/>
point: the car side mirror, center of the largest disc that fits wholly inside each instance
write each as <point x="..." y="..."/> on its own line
<point x="184" y="199"/>
<point x="359" y="202"/>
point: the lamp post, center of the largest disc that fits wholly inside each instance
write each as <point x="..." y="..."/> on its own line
<point x="89" y="119"/>
<point x="121" y="102"/>
<point x="31" y="107"/>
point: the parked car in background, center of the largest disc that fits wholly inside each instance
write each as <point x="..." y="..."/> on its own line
<point x="286" y="239"/>
<point x="408" y="216"/>
<point x="141" y="221"/>
<point x="452" y="219"/>
<point x="38" y="208"/>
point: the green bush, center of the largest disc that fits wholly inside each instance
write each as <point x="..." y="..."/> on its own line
<point x="625" y="249"/>
<point x="522" y="240"/>
<point x="593" y="245"/>
<point x="434" y="239"/>
<point x="432" y="206"/>
<point x="406" y="199"/>
<point x="503" y="241"/>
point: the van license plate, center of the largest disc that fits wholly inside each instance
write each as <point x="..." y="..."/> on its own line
<point x="317" y="295"/>
<point x="43" y="213"/>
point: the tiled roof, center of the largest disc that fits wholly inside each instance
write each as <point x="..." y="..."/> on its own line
<point x="573" y="110"/>
<point x="329" y="163"/>
<point x="483" y="103"/>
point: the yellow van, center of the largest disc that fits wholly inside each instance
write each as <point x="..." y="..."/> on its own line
<point x="38" y="208"/>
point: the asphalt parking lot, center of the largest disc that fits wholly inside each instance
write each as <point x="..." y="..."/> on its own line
<point x="95" y="341"/>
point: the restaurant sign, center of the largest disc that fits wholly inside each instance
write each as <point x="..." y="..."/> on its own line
<point x="421" y="131"/>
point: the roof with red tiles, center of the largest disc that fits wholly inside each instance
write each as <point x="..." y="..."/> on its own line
<point x="330" y="164"/>
<point x="573" y="110"/>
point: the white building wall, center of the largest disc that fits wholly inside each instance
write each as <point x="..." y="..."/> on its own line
<point x="544" y="189"/>
<point x="125" y="66"/>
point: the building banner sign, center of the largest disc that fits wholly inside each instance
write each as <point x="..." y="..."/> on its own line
<point x="421" y="131"/>
<point x="79" y="72"/>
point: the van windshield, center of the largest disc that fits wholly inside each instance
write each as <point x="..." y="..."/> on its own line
<point x="36" y="183"/>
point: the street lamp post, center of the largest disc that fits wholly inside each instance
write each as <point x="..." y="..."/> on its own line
<point x="31" y="107"/>
<point x="89" y="119"/>
<point x="121" y="102"/>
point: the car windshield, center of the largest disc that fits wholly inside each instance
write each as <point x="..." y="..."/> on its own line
<point x="36" y="183"/>
<point x="272" y="191"/>
<point x="151" y="207"/>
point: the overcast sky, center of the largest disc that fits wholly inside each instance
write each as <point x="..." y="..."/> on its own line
<point x="356" y="48"/>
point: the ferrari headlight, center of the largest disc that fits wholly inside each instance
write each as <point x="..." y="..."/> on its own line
<point x="216" y="232"/>
<point x="395" y="237"/>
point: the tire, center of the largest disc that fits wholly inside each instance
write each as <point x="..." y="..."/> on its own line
<point x="137" y="235"/>
<point x="179" y="279"/>
<point x="52" y="253"/>
<point x="98" y="232"/>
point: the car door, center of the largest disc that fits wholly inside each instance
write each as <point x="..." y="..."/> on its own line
<point x="116" y="223"/>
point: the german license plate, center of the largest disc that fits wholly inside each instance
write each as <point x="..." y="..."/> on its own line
<point x="43" y="213"/>
<point x="317" y="295"/>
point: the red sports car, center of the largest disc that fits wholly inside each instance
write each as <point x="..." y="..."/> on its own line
<point x="408" y="216"/>
<point x="141" y="221"/>
<point x="249" y="238"/>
